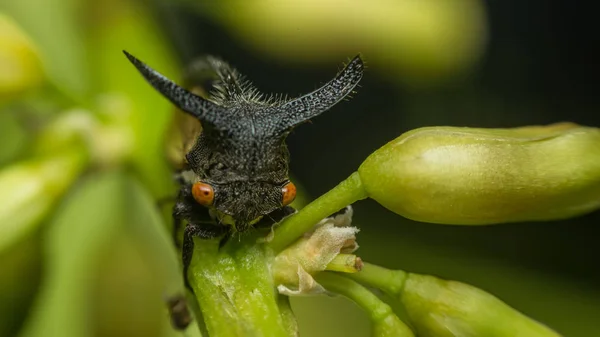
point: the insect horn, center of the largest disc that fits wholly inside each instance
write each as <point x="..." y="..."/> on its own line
<point x="303" y="108"/>
<point x="194" y="105"/>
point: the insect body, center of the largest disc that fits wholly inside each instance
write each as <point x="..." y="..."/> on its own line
<point x="236" y="172"/>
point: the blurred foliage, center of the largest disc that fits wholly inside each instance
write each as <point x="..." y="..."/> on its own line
<point x="83" y="249"/>
<point x="417" y="42"/>
<point x="55" y="26"/>
<point x="106" y="261"/>
<point x="100" y="291"/>
<point x="12" y="136"/>
<point x="20" y="67"/>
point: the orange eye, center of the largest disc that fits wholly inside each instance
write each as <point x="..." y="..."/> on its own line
<point x="289" y="193"/>
<point x="203" y="193"/>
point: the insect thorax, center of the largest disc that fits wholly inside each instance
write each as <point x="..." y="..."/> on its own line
<point x="223" y="160"/>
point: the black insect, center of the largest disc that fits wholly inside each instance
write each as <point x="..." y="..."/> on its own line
<point x="236" y="172"/>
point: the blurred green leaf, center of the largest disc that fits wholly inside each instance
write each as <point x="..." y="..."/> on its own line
<point x="416" y="42"/>
<point x="102" y="276"/>
<point x="128" y="25"/>
<point x="55" y="27"/>
<point x="20" y="67"/>
<point x="30" y="189"/>
<point x="84" y="226"/>
<point x="12" y="137"/>
<point x="20" y="278"/>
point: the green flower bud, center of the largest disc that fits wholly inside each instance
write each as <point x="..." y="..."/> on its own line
<point x="440" y="308"/>
<point x="472" y="176"/>
<point x="20" y="66"/>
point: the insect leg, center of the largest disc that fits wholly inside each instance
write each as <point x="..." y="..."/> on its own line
<point x="175" y="231"/>
<point x="180" y="210"/>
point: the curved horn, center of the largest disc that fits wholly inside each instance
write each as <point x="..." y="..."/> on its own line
<point x="195" y="105"/>
<point x="303" y="108"/>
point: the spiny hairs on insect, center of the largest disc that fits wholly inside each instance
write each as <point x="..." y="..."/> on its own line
<point x="235" y="106"/>
<point x="237" y="171"/>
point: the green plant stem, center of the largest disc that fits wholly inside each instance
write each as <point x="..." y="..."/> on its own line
<point x="234" y="288"/>
<point x="390" y="281"/>
<point x="345" y="263"/>
<point x="385" y="322"/>
<point x="357" y="293"/>
<point x="287" y="314"/>
<point x="345" y="193"/>
<point x="437" y="307"/>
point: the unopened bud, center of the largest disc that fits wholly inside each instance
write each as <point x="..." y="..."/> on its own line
<point x="472" y="176"/>
<point x="443" y="308"/>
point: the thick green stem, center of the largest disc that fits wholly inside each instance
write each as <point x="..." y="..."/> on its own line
<point x="390" y="281"/>
<point x="235" y="290"/>
<point x="344" y="194"/>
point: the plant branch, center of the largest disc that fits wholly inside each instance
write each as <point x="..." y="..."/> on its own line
<point x="235" y="290"/>
<point x="390" y="281"/>
<point x="385" y="322"/>
<point x="344" y="194"/>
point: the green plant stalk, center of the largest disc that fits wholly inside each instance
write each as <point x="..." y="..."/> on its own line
<point x="234" y="288"/>
<point x="442" y="308"/>
<point x="287" y="314"/>
<point x="345" y="263"/>
<point x="387" y="280"/>
<point x="385" y="322"/>
<point x="345" y="193"/>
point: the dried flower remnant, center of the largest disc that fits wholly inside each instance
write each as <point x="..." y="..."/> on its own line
<point x="327" y="247"/>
